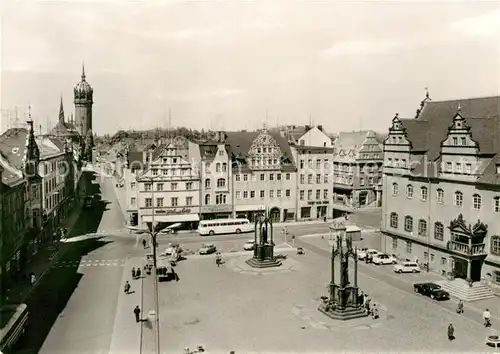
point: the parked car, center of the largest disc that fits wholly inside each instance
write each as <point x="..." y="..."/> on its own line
<point x="207" y="249"/>
<point x="362" y="254"/>
<point x="407" y="267"/>
<point x="434" y="291"/>
<point x="249" y="245"/>
<point x="383" y="258"/>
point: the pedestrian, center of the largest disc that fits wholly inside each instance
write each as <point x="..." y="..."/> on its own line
<point x="137" y="313"/>
<point x="144" y="243"/>
<point x="32" y="278"/>
<point x="324" y="218"/>
<point x="126" y="287"/>
<point x="138" y="273"/>
<point x="367" y="305"/>
<point x="361" y="299"/>
<point x="460" y="307"/>
<point x="451" y="332"/>
<point x="133" y="273"/>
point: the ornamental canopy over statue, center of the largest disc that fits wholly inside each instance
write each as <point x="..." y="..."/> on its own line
<point x="479" y="228"/>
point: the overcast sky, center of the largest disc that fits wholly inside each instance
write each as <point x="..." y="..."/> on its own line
<point x="222" y="64"/>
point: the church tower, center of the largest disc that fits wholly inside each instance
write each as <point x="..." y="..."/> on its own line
<point x="83" y="105"/>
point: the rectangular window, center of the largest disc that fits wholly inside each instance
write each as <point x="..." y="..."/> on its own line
<point x="132" y="200"/>
<point x="262" y="177"/>
<point x="237" y="177"/>
<point x="301" y="163"/>
<point x="408" y="247"/>
<point x="154" y="171"/>
<point x="301" y="193"/>
<point x="287" y="193"/>
<point x="423" y="194"/>
<point x="455" y="141"/>
<point x="443" y="261"/>
<point x="496" y="204"/>
<point x="325" y="194"/>
<point x="310" y="163"/>
<point x="159" y="202"/>
<point x="439" y="231"/>
<point x="449" y="167"/>
<point x="174" y="201"/>
<point x="245" y="194"/>
<point x="149" y="202"/>
<point x="458" y="167"/>
<point x="287" y="176"/>
<point x="148" y="186"/>
<point x="318" y="178"/>
<point x="262" y="194"/>
<point x="173" y="186"/>
<point x="132" y="185"/>
<point x="370" y="181"/>
<point x="238" y="195"/>
<point x="318" y="163"/>
<point x="309" y="179"/>
<point x="422" y="228"/>
<point x="302" y="179"/>
<point x="189" y="185"/>
<point x="495" y="245"/>
<point x="325" y="179"/>
<point x="245" y="177"/>
<point x="252" y="194"/>
<point x="408" y="224"/>
<point x="394" y="243"/>
<point x="271" y="193"/>
<point x="278" y="193"/>
<point x="271" y="176"/>
<point x="440" y="196"/>
<point x="189" y="201"/>
<point x="278" y="176"/>
<point x="254" y="177"/>
<point x="318" y="194"/>
<point x="361" y="181"/>
<point x="309" y="194"/>
<point x="159" y="186"/>
<point x="468" y="168"/>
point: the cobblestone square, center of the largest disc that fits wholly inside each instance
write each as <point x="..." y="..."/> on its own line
<point x="224" y="310"/>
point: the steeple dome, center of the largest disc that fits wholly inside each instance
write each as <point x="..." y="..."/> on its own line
<point x="83" y="90"/>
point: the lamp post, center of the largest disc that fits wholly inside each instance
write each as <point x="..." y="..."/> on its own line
<point x="153" y="233"/>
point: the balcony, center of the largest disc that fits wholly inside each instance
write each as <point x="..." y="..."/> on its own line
<point x="468" y="250"/>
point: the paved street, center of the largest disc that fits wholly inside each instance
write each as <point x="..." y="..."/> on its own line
<point x="225" y="310"/>
<point x="76" y="310"/>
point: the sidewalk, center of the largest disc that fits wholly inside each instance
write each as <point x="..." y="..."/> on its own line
<point x="41" y="263"/>
<point x="127" y="333"/>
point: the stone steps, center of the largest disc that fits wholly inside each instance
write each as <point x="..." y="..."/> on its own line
<point x="460" y="289"/>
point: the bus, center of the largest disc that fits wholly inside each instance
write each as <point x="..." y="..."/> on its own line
<point x="14" y="328"/>
<point x="225" y="226"/>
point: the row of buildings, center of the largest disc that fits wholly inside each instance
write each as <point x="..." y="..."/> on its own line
<point x="237" y="174"/>
<point x="40" y="184"/>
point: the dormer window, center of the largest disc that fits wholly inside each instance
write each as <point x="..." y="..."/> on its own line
<point x="468" y="168"/>
<point x="455" y="141"/>
<point x="464" y="140"/>
<point x="458" y="167"/>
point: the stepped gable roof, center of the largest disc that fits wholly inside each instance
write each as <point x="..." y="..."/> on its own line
<point x="13" y="146"/>
<point x="431" y="127"/>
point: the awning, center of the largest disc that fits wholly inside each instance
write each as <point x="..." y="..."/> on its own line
<point x="172" y="218"/>
<point x="250" y="207"/>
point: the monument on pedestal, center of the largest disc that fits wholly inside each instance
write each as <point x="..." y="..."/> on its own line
<point x="343" y="302"/>
<point x="263" y="254"/>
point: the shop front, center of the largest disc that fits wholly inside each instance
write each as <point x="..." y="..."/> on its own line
<point x="187" y="217"/>
<point x="249" y="211"/>
<point x="211" y="212"/>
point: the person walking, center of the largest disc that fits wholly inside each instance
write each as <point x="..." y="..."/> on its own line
<point x="138" y="272"/>
<point x="126" y="287"/>
<point x="451" y="332"/>
<point x="460" y="307"/>
<point x="487" y="318"/>
<point x="133" y="273"/>
<point x="137" y="313"/>
<point x="144" y="243"/>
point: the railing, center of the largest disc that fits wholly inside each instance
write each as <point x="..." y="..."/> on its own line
<point x="470" y="250"/>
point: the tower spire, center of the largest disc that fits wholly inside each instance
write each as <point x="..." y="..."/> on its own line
<point x="61" y="111"/>
<point x="83" y="71"/>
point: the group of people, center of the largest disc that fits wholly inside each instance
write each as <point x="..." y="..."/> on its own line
<point x="136" y="273"/>
<point x="371" y="308"/>
<point x="460" y="309"/>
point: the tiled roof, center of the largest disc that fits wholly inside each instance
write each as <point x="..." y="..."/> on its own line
<point x="47" y="147"/>
<point x="431" y="127"/>
<point x="350" y="140"/>
<point x="64" y="128"/>
<point x="13" y="146"/>
<point x="10" y="175"/>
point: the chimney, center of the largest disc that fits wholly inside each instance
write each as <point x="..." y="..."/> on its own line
<point x="320" y="127"/>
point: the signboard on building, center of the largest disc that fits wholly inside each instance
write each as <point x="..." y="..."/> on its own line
<point x="216" y="209"/>
<point x="173" y="211"/>
<point x="318" y="202"/>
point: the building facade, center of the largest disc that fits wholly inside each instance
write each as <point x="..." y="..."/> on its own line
<point x="217" y="199"/>
<point x="168" y="189"/>
<point x="357" y="169"/>
<point x="314" y="155"/>
<point x="264" y="175"/>
<point x="441" y="201"/>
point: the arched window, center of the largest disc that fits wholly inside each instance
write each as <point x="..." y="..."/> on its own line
<point x="394" y="220"/>
<point x="476" y="201"/>
<point x="207" y="199"/>
<point x="459" y="198"/>
<point x="423" y="193"/>
<point x="422" y="227"/>
<point x="220" y="199"/>
<point x="207" y="183"/>
<point x="438" y="231"/>
<point x="217" y="167"/>
<point x="408" y="223"/>
<point x="221" y="182"/>
<point x="395" y="189"/>
<point x="409" y="191"/>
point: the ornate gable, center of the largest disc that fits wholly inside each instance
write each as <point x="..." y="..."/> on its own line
<point x="264" y="152"/>
<point x="459" y="225"/>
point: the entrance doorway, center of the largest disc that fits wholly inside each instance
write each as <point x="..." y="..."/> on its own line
<point x="460" y="268"/>
<point x="275" y="214"/>
<point x="362" y="198"/>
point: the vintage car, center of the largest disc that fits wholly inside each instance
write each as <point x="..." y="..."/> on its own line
<point x="434" y="291"/>
<point x="207" y="249"/>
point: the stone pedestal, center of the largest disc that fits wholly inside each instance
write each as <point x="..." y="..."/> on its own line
<point x="263" y="257"/>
